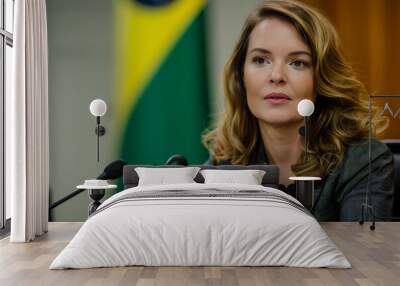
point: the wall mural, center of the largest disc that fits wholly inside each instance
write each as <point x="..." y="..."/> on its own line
<point x="392" y="112"/>
<point x="388" y="106"/>
<point x="162" y="103"/>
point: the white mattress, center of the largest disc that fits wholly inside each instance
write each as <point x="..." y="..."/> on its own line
<point x="200" y="231"/>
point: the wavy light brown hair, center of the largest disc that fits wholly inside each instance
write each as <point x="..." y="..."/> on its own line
<point x="341" y="107"/>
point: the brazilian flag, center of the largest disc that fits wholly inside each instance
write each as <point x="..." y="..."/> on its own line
<point x="162" y="102"/>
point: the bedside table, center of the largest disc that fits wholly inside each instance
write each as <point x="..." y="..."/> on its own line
<point x="96" y="193"/>
<point x="305" y="190"/>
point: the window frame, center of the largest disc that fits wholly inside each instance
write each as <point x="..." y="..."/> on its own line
<point x="6" y="39"/>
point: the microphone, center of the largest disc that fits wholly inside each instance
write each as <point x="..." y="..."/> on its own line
<point x="177" y="159"/>
<point x="305" y="108"/>
<point x="112" y="171"/>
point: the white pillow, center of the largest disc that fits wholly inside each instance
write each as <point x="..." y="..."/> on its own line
<point x="162" y="176"/>
<point x="248" y="177"/>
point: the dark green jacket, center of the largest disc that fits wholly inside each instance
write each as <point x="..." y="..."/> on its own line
<point x="340" y="195"/>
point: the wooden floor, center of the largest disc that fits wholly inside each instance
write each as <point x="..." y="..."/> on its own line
<point x="374" y="255"/>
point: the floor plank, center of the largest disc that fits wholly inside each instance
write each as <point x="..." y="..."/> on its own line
<point x="374" y="255"/>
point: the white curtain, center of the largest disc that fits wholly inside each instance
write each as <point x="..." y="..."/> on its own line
<point x="27" y="142"/>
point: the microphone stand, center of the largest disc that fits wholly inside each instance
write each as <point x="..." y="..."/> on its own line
<point x="111" y="174"/>
<point x="66" y="198"/>
<point x="366" y="207"/>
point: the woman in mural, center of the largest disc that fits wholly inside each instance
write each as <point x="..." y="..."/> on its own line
<point x="288" y="52"/>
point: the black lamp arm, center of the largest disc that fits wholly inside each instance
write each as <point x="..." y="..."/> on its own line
<point x="66" y="198"/>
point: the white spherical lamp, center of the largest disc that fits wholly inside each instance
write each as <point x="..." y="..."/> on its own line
<point x="305" y="107"/>
<point x="98" y="107"/>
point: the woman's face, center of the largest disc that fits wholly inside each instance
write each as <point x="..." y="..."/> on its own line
<point x="278" y="72"/>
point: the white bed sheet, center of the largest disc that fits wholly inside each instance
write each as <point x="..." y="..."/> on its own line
<point x="200" y="231"/>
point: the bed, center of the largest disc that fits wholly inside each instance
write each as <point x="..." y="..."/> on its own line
<point x="201" y="224"/>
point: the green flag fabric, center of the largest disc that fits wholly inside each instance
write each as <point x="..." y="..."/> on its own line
<point x="162" y="102"/>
